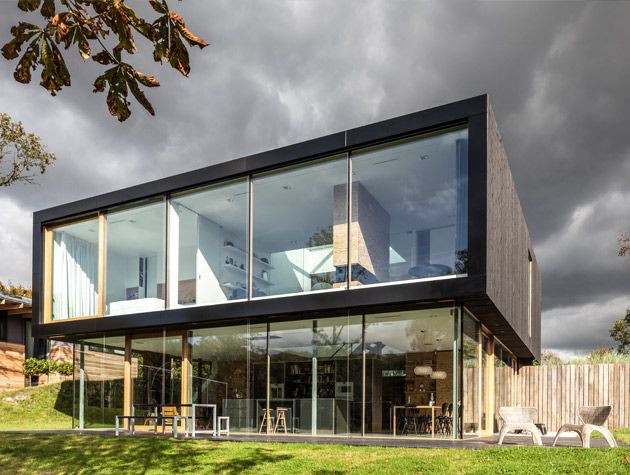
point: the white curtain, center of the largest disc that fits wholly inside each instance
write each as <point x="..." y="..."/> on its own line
<point x="75" y="277"/>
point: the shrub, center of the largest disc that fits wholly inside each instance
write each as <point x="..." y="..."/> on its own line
<point x="35" y="367"/>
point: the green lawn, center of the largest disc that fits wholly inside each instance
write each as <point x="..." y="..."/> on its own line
<point x="39" y="407"/>
<point x="45" y="453"/>
<point x="48" y="407"/>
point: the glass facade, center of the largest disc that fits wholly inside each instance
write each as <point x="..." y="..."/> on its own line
<point x="75" y="270"/>
<point x="409" y="210"/>
<point x="300" y="228"/>
<point x="136" y="251"/>
<point x="156" y="371"/>
<point x="383" y="375"/>
<point x="315" y="375"/>
<point x="209" y="259"/>
<point x="229" y="369"/>
<point x="409" y="372"/>
<point x="99" y="370"/>
<point x="472" y="390"/>
<point x="402" y="217"/>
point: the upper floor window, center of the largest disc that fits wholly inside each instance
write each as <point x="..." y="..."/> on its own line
<point x="409" y="209"/>
<point x="208" y="262"/>
<point x="75" y="270"/>
<point x="135" y="272"/>
<point x="300" y="228"/>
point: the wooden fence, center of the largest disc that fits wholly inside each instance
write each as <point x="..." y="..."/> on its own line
<point x="559" y="391"/>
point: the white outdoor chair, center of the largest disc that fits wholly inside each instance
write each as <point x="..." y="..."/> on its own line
<point x="519" y="418"/>
<point x="593" y="419"/>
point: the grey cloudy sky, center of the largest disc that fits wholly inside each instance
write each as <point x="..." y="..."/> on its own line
<point x="281" y="72"/>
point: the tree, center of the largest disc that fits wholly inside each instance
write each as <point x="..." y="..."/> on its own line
<point x="624" y="245"/>
<point x="88" y="24"/>
<point x="20" y="153"/>
<point x="620" y="333"/>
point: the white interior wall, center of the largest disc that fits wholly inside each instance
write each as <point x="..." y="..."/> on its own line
<point x="209" y="257"/>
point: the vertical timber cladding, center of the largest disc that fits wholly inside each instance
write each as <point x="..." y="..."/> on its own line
<point x="508" y="247"/>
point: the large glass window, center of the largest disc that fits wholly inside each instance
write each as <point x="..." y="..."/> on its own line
<point x="99" y="369"/>
<point x="472" y="390"/>
<point x="409" y="210"/>
<point x="135" y="259"/>
<point x="300" y="228"/>
<point x="75" y="270"/>
<point x="229" y="369"/>
<point x="156" y="371"/>
<point x="409" y="373"/>
<point x="315" y="375"/>
<point x="209" y="261"/>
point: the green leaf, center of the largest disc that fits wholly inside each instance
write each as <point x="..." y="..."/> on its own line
<point x="28" y="5"/>
<point x="159" y="6"/>
<point x="103" y="58"/>
<point x="21" y="34"/>
<point x="55" y="74"/>
<point x="48" y="9"/>
<point x="139" y="95"/>
<point x="28" y="62"/>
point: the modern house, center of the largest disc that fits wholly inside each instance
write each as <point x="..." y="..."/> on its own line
<point x="355" y="284"/>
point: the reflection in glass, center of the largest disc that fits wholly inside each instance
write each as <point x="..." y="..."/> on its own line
<point x="300" y="228"/>
<point x="471" y="376"/>
<point x="209" y="239"/>
<point x="75" y="270"/>
<point x="409" y="363"/>
<point x="99" y="369"/>
<point x="135" y="259"/>
<point x="315" y="375"/>
<point x="409" y="209"/>
<point x="228" y="368"/>
<point x="156" y="371"/>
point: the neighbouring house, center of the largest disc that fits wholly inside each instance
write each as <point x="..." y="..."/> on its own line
<point x="365" y="283"/>
<point x="16" y="342"/>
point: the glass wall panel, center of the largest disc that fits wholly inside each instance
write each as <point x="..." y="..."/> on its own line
<point x="409" y="371"/>
<point x="75" y="270"/>
<point x="156" y="370"/>
<point x="409" y="209"/>
<point x="229" y="369"/>
<point x="99" y="368"/>
<point x="471" y="414"/>
<point x="300" y="228"/>
<point x="135" y="259"/>
<point x="209" y="239"/>
<point x="315" y="376"/>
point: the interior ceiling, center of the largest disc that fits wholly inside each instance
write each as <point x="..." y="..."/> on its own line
<point x="399" y="333"/>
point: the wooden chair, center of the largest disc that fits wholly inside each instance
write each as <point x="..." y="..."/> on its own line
<point x="519" y="418"/>
<point x="593" y="419"/>
<point x="169" y="417"/>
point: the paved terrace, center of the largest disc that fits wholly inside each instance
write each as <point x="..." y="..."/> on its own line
<point x="513" y="440"/>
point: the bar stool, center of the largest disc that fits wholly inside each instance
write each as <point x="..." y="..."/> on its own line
<point x="281" y="420"/>
<point x="267" y="420"/>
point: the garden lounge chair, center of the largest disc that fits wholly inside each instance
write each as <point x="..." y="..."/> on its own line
<point x="593" y="419"/>
<point x="519" y="418"/>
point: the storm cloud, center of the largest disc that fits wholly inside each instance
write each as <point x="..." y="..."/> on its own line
<point x="276" y="73"/>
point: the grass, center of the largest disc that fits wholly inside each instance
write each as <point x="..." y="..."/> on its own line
<point x="39" y="407"/>
<point x="46" y="453"/>
<point x="48" y="407"/>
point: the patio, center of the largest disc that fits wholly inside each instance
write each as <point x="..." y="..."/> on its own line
<point x="476" y="443"/>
